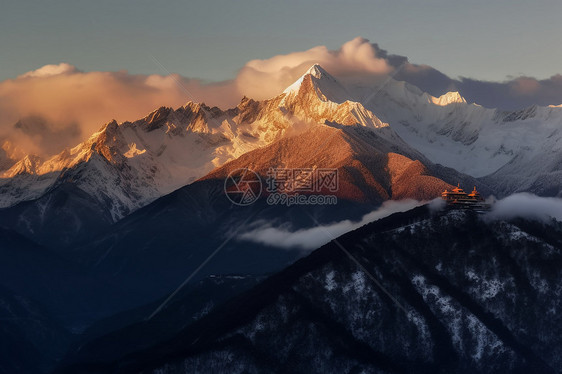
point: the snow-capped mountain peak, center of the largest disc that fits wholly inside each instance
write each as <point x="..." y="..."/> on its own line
<point x="322" y="83"/>
<point x="448" y="98"/>
<point x="315" y="71"/>
<point x="318" y="71"/>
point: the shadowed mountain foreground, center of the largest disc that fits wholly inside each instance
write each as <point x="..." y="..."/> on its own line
<point x="417" y="292"/>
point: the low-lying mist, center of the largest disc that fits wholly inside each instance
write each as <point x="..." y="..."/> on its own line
<point x="312" y="238"/>
<point x="526" y="205"/>
<point x="520" y="205"/>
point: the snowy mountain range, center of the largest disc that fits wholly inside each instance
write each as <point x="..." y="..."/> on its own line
<point x="125" y="166"/>
<point x="167" y="149"/>
<point x="510" y="151"/>
<point x="82" y="191"/>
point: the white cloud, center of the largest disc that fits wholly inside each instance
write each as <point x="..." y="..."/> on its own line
<point x="262" y="79"/>
<point x="50" y="70"/>
<point x="63" y="99"/>
<point x="521" y="205"/>
<point x="315" y="237"/>
<point x="525" y="205"/>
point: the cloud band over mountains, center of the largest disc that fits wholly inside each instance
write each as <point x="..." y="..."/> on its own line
<point x="519" y="205"/>
<point x="314" y="237"/>
<point x="62" y="105"/>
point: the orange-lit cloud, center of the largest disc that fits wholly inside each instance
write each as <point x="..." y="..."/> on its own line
<point x="50" y="70"/>
<point x="525" y="86"/>
<point x="57" y="99"/>
<point x="62" y="105"/>
<point x="262" y="79"/>
<point x="62" y="98"/>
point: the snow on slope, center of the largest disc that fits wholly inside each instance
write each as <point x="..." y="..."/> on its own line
<point x="470" y="138"/>
<point x="515" y="151"/>
<point x="129" y="164"/>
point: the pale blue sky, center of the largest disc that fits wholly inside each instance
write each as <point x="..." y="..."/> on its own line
<point x="212" y="39"/>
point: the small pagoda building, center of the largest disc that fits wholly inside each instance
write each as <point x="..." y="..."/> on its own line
<point x="475" y="195"/>
<point x="457" y="198"/>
